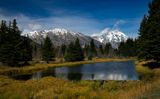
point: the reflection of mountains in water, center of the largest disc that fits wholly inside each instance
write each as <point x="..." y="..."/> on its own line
<point x="97" y="71"/>
<point x="99" y="76"/>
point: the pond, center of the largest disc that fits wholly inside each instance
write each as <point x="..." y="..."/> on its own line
<point x="96" y="71"/>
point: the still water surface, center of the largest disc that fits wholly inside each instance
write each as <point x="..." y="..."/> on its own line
<point x="96" y="71"/>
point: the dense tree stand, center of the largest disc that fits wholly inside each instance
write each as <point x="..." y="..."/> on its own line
<point x="149" y="36"/>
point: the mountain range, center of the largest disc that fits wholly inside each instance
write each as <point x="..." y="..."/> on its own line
<point x="61" y="36"/>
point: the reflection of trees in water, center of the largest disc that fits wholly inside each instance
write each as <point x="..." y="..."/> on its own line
<point x="99" y="71"/>
<point x="92" y="76"/>
<point x="49" y="72"/>
<point x="74" y="75"/>
<point x="22" y="77"/>
<point x="40" y="74"/>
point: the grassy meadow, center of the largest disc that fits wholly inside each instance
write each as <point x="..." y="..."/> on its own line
<point x="55" y="88"/>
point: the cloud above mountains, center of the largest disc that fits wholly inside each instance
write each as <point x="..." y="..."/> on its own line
<point x="75" y="23"/>
<point x="81" y="23"/>
<point x="84" y="16"/>
<point x="119" y="22"/>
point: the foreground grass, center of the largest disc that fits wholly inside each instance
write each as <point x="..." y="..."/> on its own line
<point x="54" y="88"/>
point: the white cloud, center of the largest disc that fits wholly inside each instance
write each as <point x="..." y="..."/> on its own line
<point x="75" y="23"/>
<point x="78" y="23"/>
<point x="119" y="22"/>
<point x="34" y="26"/>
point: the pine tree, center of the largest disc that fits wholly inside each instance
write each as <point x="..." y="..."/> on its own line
<point x="122" y="49"/>
<point x="3" y="30"/>
<point x="107" y="48"/>
<point x="63" y="49"/>
<point x="93" y="51"/>
<point x="74" y="52"/>
<point x="149" y="36"/>
<point x="78" y="51"/>
<point x="34" y="50"/>
<point x="101" y="49"/>
<point x="86" y="50"/>
<point x="25" y="49"/>
<point x="69" y="56"/>
<point x="47" y="50"/>
<point x="12" y="45"/>
<point x="7" y="49"/>
<point x="128" y="48"/>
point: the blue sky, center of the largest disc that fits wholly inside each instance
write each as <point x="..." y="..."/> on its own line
<point x="86" y="16"/>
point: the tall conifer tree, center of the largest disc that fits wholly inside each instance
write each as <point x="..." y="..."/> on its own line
<point x="13" y="46"/>
<point x="107" y="48"/>
<point x="149" y="36"/>
<point x="93" y="51"/>
<point x="101" y="49"/>
<point x="47" y="50"/>
<point x="78" y="51"/>
<point x="74" y="52"/>
<point x="63" y="49"/>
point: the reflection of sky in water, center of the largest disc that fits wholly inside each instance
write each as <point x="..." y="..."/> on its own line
<point x="97" y="71"/>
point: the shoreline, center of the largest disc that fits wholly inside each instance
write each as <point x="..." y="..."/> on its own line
<point x="38" y="67"/>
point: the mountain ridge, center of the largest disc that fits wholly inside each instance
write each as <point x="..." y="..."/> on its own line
<point x="61" y="36"/>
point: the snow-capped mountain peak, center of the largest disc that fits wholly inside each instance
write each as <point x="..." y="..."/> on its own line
<point x="59" y="31"/>
<point x="106" y="30"/>
<point x="110" y="36"/>
<point x="60" y="36"/>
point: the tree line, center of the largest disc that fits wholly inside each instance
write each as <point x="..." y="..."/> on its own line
<point x="14" y="48"/>
<point x="149" y="33"/>
<point x="76" y="52"/>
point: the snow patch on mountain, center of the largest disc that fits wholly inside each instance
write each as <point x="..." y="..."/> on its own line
<point x="113" y="36"/>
